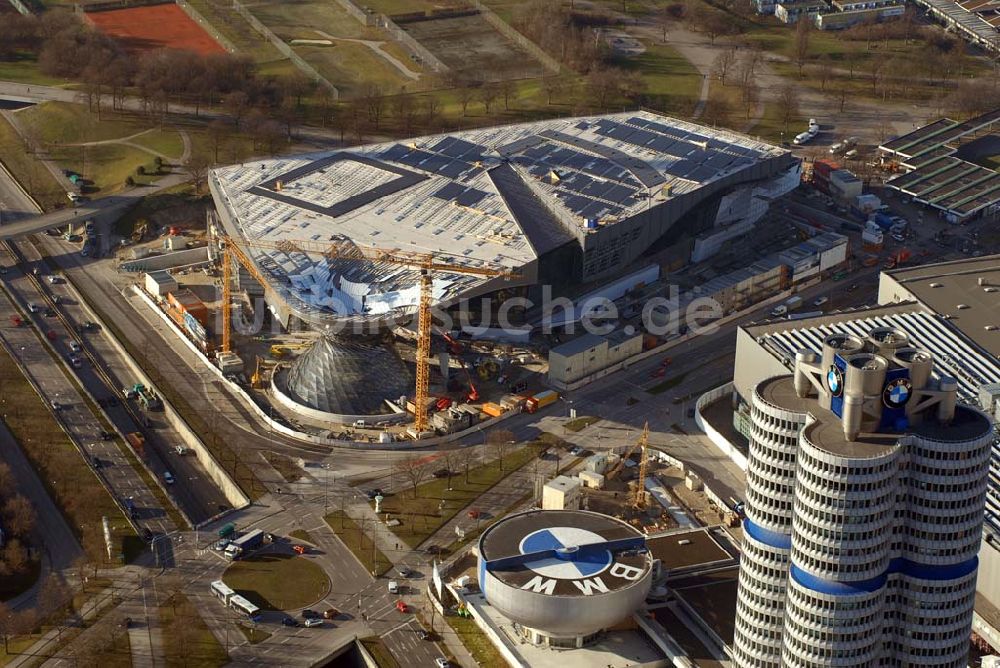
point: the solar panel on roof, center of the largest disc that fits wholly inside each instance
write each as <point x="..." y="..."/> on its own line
<point x="394" y="152"/>
<point x="443" y="144"/>
<point x="682" y="167"/>
<point x="470" y="197"/>
<point x="597" y="189"/>
<point x="450" y="191"/>
<point x="702" y="174"/>
<point x="619" y="194"/>
<point x="577" y="203"/>
<point x="661" y="144"/>
<point x="453" y="169"/>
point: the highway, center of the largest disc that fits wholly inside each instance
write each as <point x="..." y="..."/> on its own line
<point x="49" y="373"/>
<point x="106" y="374"/>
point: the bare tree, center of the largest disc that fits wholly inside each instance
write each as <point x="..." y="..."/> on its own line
<point x="717" y="110"/>
<point x="432" y="109"/>
<point x="465" y="94"/>
<point x="801" y="47"/>
<point x="197" y="167"/>
<point x="451" y="460"/>
<point x="788" y="104"/>
<point x="405" y="110"/>
<point x="19" y="515"/>
<point x="412" y="470"/>
<point x="6" y="480"/>
<point x="602" y="85"/>
<point x="551" y="86"/>
<point x="507" y="90"/>
<point x="374" y="102"/>
<point x="723" y="64"/>
<point x="237" y="104"/>
<point x="824" y="72"/>
<point x="218" y="134"/>
<point x="53" y="596"/>
<point x="500" y="440"/>
<point x="875" y="73"/>
<point x="15" y="556"/>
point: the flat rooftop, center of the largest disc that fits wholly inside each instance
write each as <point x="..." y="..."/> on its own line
<point x="954" y="354"/>
<point x="500" y="196"/>
<point x="713" y="597"/>
<point x="682" y="549"/>
<point x="827" y="432"/>
<point x="942" y="287"/>
<point x="689" y="642"/>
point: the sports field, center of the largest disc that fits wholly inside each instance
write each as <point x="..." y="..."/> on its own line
<point x="155" y="27"/>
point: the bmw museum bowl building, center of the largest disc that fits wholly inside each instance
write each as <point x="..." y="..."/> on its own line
<point x="563" y="576"/>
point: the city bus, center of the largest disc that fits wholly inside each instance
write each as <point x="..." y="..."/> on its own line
<point x="222" y="591"/>
<point x="245" y="607"/>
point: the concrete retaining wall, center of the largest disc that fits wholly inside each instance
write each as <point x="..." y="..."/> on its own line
<point x="181" y="258"/>
<point x="301" y="436"/>
<point x="281" y="46"/>
<point x="206" y="26"/>
<point x="363" y="17"/>
<point x="720" y="441"/>
<point x="229" y="488"/>
<point x="513" y="35"/>
<point x="415" y="47"/>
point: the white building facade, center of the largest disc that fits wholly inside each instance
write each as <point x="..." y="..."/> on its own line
<point x="866" y="485"/>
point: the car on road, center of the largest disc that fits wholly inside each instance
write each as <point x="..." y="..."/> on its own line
<point x="821" y="300"/>
<point x="221" y="545"/>
<point x="56" y="405"/>
<point x="404" y="571"/>
<point x="309" y="614"/>
<point x="96" y="462"/>
<point x="51" y="335"/>
<point x="32" y="307"/>
<point x="168" y="477"/>
<point x="658" y="372"/>
<point x="313" y="621"/>
<point x="75" y="347"/>
<point x="331" y="613"/>
<point x="53" y="280"/>
<point x="87" y="325"/>
<point x="441" y="662"/>
<point x="441" y="473"/>
<point x="852" y="287"/>
<point x="424" y="635"/>
<point x="107" y="435"/>
<point x="75" y="361"/>
<point x="393" y="587"/>
<point x="289" y="621"/>
<point x="434" y="549"/>
<point x="372" y="493"/>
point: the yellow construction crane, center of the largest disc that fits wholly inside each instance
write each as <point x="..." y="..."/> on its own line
<point x="346" y="249"/>
<point x="639" y="494"/>
<point x="641" y="443"/>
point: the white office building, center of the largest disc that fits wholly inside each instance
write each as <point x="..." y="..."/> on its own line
<point x="866" y="484"/>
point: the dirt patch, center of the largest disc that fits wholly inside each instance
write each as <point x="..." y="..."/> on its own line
<point x="141" y="29"/>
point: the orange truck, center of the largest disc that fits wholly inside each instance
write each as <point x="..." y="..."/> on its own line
<point x="540" y="400"/>
<point x="136" y="440"/>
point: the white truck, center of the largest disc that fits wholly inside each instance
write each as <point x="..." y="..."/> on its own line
<point x="790" y="304"/>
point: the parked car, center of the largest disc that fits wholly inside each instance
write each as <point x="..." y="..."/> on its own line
<point x="441" y="473"/>
<point x="309" y="614"/>
<point x="441" y="662"/>
<point x="404" y="571"/>
<point x="289" y="621"/>
<point x="424" y="635"/>
<point x="313" y="621"/>
<point x="393" y="587"/>
<point x="221" y="545"/>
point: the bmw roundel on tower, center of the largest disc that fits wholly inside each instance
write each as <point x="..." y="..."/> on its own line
<point x="897" y="393"/>
<point x="564" y="573"/>
<point x="835" y="380"/>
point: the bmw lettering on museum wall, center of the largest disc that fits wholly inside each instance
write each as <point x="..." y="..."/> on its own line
<point x="564" y="575"/>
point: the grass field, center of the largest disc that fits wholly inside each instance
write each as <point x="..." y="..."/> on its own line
<point x="434" y="504"/>
<point x="105" y="166"/>
<point x="29" y="171"/>
<point x="70" y="482"/>
<point x="167" y="142"/>
<point x="581" y="423"/>
<point x="284" y="465"/>
<point x="358" y="542"/>
<point x="187" y="640"/>
<point x="25" y="70"/>
<point x="67" y="123"/>
<point x="300" y="534"/>
<point x="479" y="646"/>
<point x="672" y="82"/>
<point x="274" y="581"/>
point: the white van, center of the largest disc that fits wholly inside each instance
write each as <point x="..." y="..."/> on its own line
<point x="393" y="587"/>
<point x="779" y="311"/>
<point x="803" y="138"/>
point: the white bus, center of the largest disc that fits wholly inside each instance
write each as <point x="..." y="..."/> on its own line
<point x="222" y="591"/>
<point x="241" y="605"/>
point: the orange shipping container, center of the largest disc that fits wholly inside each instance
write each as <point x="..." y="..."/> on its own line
<point x="186" y="301"/>
<point x="493" y="410"/>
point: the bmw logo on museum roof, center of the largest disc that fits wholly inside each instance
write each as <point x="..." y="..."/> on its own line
<point x="897" y="392"/>
<point x="835" y="380"/>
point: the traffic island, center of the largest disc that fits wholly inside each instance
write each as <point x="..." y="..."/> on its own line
<point x="277" y="581"/>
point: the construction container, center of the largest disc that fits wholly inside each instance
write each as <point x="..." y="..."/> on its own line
<point x="512" y="402"/>
<point x="591" y="479"/>
<point x="493" y="410"/>
<point x="136" y="440"/>
<point x="185" y="301"/>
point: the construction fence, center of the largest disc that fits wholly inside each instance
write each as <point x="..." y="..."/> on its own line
<point x="283" y="48"/>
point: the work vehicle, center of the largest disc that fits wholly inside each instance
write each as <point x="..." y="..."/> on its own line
<point x="843" y="145"/>
<point x="227" y="530"/>
<point x="540" y="400"/>
<point x="299" y="549"/>
<point x="244" y="544"/>
<point x="147" y="398"/>
<point x="793" y="303"/>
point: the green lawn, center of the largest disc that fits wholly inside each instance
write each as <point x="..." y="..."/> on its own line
<point x="274" y="581"/>
<point x="25" y="70"/>
<point x="581" y="423"/>
<point x="29" y="171"/>
<point x="284" y="465"/>
<point x="479" y="646"/>
<point x="187" y="640"/>
<point x="434" y="504"/>
<point x="67" y="123"/>
<point x="167" y="142"/>
<point x="70" y="483"/>
<point x="669" y="383"/>
<point x="772" y="124"/>
<point x="300" y="534"/>
<point x="253" y="633"/>
<point x="358" y="542"/>
<point x="672" y="83"/>
<point x="105" y="166"/>
<point x="381" y="655"/>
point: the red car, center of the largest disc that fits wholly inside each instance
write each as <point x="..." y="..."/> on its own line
<point x="299" y="549"/>
<point x="52" y="335"/>
<point x="401" y="606"/>
<point x="474" y="514"/>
